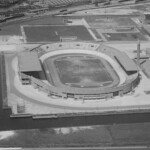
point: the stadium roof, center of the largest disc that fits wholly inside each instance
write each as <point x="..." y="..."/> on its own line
<point x="29" y="61"/>
<point x="126" y="62"/>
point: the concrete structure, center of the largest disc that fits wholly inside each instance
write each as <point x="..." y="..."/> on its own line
<point x="99" y="79"/>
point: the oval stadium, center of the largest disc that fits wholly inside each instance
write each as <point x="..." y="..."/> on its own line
<point x="78" y="70"/>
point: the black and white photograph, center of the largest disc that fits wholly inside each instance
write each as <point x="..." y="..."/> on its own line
<point x="74" y="74"/>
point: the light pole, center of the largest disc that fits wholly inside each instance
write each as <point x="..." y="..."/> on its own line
<point x="138" y="53"/>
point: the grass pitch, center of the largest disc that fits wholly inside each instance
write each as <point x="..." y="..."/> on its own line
<point x="80" y="71"/>
<point x="35" y="34"/>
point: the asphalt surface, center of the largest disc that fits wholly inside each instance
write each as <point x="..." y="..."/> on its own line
<point x="88" y="148"/>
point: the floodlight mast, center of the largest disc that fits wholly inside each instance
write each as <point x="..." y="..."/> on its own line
<point x="138" y="53"/>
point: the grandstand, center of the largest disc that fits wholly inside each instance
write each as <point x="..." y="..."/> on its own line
<point x="87" y="83"/>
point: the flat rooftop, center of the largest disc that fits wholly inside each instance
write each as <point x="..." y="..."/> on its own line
<point x="29" y="61"/>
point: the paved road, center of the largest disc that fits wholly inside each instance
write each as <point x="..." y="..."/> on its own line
<point x="85" y="148"/>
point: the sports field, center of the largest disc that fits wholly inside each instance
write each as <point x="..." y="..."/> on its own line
<point x="80" y="71"/>
<point x="47" y="33"/>
<point x="100" y="22"/>
<point x="124" y="36"/>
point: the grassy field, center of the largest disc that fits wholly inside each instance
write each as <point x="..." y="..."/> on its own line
<point x="13" y="27"/>
<point x="53" y="33"/>
<point x="80" y="71"/>
<point x="124" y="36"/>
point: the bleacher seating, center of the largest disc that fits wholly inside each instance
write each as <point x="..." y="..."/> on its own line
<point x="66" y="45"/>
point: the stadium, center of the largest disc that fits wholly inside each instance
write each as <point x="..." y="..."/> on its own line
<point x="75" y="66"/>
<point x="64" y="70"/>
<point x="66" y="74"/>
